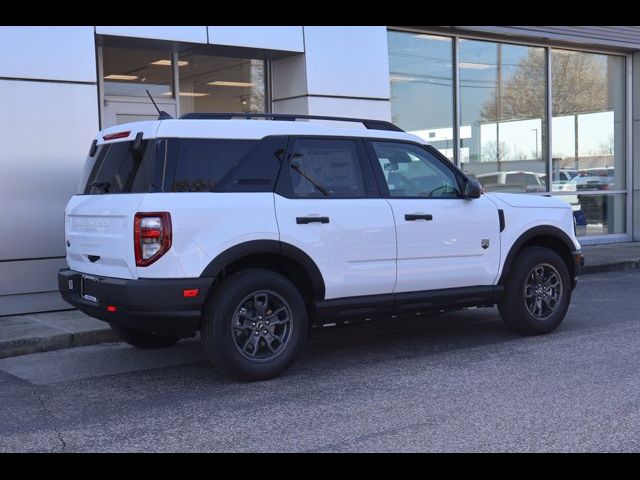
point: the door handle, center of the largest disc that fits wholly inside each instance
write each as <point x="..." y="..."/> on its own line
<point x="305" y="220"/>
<point x="410" y="217"/>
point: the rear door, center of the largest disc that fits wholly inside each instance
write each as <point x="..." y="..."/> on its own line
<point x="444" y="240"/>
<point x="99" y="220"/>
<point x="327" y="204"/>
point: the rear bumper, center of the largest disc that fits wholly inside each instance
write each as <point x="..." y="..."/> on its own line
<point x="149" y="305"/>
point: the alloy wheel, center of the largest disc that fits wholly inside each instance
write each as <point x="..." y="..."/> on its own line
<point x="261" y="326"/>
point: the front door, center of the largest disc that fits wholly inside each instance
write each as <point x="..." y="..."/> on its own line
<point x="116" y="112"/>
<point x="444" y="240"/>
<point x="326" y="206"/>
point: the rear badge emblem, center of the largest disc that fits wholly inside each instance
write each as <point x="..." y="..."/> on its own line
<point x="485" y="243"/>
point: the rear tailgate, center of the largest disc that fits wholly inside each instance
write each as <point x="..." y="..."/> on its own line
<point x="124" y="166"/>
<point x="99" y="234"/>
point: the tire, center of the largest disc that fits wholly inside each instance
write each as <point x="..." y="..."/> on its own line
<point x="146" y="341"/>
<point x="237" y="310"/>
<point x="536" y="312"/>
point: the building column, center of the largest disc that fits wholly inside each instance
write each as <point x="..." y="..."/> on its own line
<point x="634" y="188"/>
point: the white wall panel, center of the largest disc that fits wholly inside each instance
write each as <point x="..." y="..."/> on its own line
<point x="30" y="276"/>
<point x="51" y="53"/>
<point x="289" y="75"/>
<point x="347" y="61"/>
<point x="350" y="107"/>
<point x="298" y="105"/>
<point x="46" y="132"/>
<point x="287" y="38"/>
<point x="179" y="34"/>
<point x="32" y="303"/>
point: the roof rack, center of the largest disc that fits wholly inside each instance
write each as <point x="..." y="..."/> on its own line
<point x="369" y="124"/>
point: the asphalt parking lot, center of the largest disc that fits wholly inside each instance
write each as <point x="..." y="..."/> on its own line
<point x="454" y="382"/>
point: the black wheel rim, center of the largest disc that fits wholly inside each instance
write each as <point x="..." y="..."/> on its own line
<point x="261" y="326"/>
<point x="542" y="291"/>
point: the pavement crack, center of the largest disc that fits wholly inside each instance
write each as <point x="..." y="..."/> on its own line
<point x="44" y="406"/>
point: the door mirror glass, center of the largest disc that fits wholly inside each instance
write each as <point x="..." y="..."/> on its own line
<point x="472" y="189"/>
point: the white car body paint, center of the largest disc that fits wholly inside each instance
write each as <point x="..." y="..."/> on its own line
<point x="355" y="252"/>
<point x="524" y="212"/>
<point x="367" y="248"/>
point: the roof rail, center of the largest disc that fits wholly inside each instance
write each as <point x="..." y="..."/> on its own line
<point x="369" y="124"/>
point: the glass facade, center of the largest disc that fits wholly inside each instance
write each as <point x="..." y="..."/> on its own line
<point x="131" y="71"/>
<point x="210" y="83"/>
<point x="502" y="107"/>
<point x="421" y="74"/>
<point x="206" y="82"/>
<point x="531" y="119"/>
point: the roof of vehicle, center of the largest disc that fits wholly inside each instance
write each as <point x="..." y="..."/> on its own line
<point x="248" y="129"/>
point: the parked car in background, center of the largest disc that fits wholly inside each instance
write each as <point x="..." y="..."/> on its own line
<point x="560" y="177"/>
<point x="511" y="181"/>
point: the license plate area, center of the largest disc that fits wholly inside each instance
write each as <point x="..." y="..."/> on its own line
<point x="89" y="288"/>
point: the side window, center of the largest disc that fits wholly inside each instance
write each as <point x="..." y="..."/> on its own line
<point x="325" y="167"/>
<point x="202" y="163"/>
<point x="411" y="171"/>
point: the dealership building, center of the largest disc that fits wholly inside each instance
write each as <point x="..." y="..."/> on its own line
<point x="535" y="110"/>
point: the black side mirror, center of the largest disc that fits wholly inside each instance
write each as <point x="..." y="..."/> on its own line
<point x="472" y="189"/>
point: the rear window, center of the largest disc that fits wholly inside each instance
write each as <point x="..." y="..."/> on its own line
<point x="202" y="164"/>
<point x="119" y="169"/>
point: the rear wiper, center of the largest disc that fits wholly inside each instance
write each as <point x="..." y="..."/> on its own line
<point x="104" y="186"/>
<point x="322" y="190"/>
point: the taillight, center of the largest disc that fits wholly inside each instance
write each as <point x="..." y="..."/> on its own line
<point x="151" y="236"/>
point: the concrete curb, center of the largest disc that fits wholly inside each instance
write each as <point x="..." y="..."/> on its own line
<point x="611" y="267"/>
<point x="25" y="346"/>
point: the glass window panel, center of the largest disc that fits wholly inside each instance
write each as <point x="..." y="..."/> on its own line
<point x="331" y="164"/>
<point x="588" y="123"/>
<point x="502" y="127"/>
<point x="131" y="71"/>
<point x="203" y="163"/>
<point x="210" y="83"/>
<point x="412" y="172"/>
<point x="596" y="214"/>
<point x="421" y="74"/>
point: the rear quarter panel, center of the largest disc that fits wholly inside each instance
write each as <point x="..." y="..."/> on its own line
<point x="205" y="225"/>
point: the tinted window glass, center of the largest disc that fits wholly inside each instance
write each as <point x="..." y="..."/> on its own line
<point x="202" y="164"/>
<point x="118" y="169"/>
<point x="411" y="171"/>
<point x="329" y="165"/>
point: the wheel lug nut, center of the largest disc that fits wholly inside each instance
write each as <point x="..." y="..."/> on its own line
<point x="253" y="324"/>
<point x="257" y="332"/>
<point x="264" y="332"/>
<point x="267" y="322"/>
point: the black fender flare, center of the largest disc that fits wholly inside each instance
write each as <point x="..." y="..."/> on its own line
<point x="276" y="247"/>
<point x="540" y="230"/>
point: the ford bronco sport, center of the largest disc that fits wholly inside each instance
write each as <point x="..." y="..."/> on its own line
<point x="251" y="229"/>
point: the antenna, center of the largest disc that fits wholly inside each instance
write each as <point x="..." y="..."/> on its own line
<point x="161" y="113"/>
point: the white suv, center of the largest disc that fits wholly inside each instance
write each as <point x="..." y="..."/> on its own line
<point x="251" y="231"/>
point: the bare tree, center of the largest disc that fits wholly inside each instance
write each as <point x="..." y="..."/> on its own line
<point x="606" y="147"/>
<point x="579" y="84"/>
<point x="492" y="151"/>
